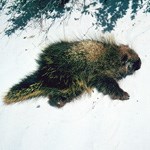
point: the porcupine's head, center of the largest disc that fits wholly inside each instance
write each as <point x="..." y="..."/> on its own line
<point x="118" y="61"/>
<point x="129" y="61"/>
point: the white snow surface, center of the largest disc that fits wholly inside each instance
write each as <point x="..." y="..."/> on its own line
<point x="92" y="122"/>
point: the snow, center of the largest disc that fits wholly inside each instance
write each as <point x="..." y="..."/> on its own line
<point x="92" y="122"/>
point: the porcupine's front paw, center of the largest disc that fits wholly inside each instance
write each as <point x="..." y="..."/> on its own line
<point x="120" y="95"/>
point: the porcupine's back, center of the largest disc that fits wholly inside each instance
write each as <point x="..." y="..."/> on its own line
<point x="71" y="57"/>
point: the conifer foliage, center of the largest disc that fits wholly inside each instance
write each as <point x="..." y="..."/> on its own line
<point x="106" y="12"/>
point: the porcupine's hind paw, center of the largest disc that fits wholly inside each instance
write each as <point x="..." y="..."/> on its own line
<point x="56" y="102"/>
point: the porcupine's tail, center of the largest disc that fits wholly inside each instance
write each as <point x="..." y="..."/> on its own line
<point x="28" y="88"/>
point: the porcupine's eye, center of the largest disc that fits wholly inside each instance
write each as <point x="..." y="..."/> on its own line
<point x="124" y="59"/>
<point x="129" y="66"/>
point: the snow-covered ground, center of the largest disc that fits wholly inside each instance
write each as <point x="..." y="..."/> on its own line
<point x="91" y="122"/>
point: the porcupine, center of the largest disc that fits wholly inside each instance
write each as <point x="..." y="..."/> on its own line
<point x="68" y="69"/>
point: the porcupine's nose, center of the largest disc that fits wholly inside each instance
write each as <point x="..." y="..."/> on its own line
<point x="137" y="64"/>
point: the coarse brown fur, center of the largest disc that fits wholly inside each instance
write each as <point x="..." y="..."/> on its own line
<point x="68" y="69"/>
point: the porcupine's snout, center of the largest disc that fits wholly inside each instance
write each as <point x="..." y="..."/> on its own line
<point x="137" y="64"/>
